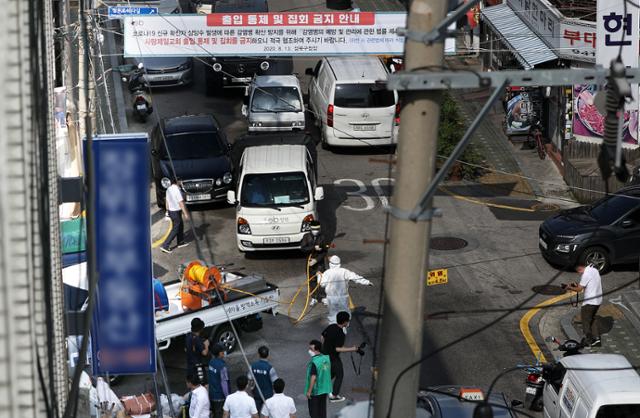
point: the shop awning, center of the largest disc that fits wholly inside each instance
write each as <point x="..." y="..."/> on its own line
<point x="526" y="46"/>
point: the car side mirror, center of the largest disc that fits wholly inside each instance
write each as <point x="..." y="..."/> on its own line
<point x="319" y="193"/>
<point x="627" y="223"/>
<point x="309" y="71"/>
<point x="245" y="110"/>
<point x="231" y="197"/>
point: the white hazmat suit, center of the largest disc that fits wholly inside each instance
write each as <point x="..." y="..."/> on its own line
<point x="335" y="281"/>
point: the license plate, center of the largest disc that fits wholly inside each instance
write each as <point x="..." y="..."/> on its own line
<point x="275" y="240"/>
<point x="364" y="127"/>
<point x="194" y="197"/>
<point x="531" y="391"/>
<point x="165" y="78"/>
<point x="240" y="79"/>
<point x="543" y="244"/>
<point x="141" y="107"/>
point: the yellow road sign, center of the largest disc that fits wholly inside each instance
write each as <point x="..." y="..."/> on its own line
<point x="438" y="276"/>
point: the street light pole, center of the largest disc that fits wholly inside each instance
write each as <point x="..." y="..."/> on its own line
<point x="402" y="321"/>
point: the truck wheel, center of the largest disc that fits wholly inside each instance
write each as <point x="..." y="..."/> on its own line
<point x="225" y="337"/>
<point x="596" y="256"/>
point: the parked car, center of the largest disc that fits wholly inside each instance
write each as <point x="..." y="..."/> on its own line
<point x="602" y="234"/>
<point x="460" y="402"/>
<point x="237" y="72"/>
<point x="199" y="152"/>
<point x="351" y="104"/>
<point x="166" y="71"/>
<point x="274" y="103"/>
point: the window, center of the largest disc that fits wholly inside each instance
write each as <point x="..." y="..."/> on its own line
<point x="194" y="145"/>
<point x="619" y="411"/>
<point x="276" y="99"/>
<point x="274" y="189"/>
<point x="635" y="217"/>
<point x="611" y="209"/>
<point x="363" y="95"/>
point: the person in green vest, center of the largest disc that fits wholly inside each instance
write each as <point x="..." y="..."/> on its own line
<point x="318" y="382"/>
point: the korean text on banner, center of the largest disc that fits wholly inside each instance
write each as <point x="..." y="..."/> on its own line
<point x="618" y="31"/>
<point x="123" y="328"/>
<point x="260" y="34"/>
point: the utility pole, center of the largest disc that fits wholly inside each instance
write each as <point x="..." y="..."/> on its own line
<point x="404" y="284"/>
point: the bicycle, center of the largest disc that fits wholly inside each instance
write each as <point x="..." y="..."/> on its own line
<point x="534" y="139"/>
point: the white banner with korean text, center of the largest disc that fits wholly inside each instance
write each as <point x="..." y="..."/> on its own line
<point x="260" y="34"/>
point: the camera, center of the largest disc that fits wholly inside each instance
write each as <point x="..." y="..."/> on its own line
<point x="361" y="347"/>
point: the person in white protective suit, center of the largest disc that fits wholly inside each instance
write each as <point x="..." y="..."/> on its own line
<point x="335" y="281"/>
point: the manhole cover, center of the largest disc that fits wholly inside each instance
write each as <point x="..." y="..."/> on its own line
<point x="549" y="289"/>
<point x="447" y="243"/>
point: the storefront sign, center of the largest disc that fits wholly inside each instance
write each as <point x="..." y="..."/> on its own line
<point x="541" y="17"/>
<point x="123" y="328"/>
<point x="251" y="34"/>
<point x="578" y="40"/>
<point x="523" y="107"/>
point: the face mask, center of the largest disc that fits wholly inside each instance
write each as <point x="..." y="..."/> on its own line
<point x="315" y="232"/>
<point x="311" y="353"/>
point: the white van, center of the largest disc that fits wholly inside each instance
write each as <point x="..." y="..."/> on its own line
<point x="274" y="103"/>
<point x="350" y="102"/>
<point x="276" y="196"/>
<point x="601" y="393"/>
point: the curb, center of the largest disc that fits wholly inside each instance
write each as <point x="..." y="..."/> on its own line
<point x="566" y="322"/>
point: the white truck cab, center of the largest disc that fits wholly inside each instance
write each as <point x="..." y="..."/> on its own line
<point x="610" y="387"/>
<point x="276" y="196"/>
<point x="274" y="103"/>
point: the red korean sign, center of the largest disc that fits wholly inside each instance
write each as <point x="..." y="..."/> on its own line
<point x="260" y="34"/>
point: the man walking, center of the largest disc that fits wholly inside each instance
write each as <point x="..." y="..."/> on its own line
<point x="279" y="405"/>
<point x="197" y="350"/>
<point x="218" y="380"/>
<point x="315" y="245"/>
<point x="333" y="338"/>
<point x="264" y="375"/>
<point x="318" y="381"/>
<point x="335" y="281"/>
<point x="176" y="207"/>
<point x="591" y="284"/>
<point x="240" y="404"/>
<point x="197" y="398"/>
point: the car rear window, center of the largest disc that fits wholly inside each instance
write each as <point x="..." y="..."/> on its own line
<point x="363" y="95"/>
<point x="619" y="411"/>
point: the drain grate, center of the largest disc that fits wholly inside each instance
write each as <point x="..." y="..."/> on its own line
<point x="548" y="289"/>
<point x="447" y="243"/>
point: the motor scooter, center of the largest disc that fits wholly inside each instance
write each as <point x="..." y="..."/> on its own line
<point x="141" y="99"/>
<point x="537" y="375"/>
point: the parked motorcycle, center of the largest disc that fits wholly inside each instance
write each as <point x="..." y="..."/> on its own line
<point x="537" y="375"/>
<point x="141" y="99"/>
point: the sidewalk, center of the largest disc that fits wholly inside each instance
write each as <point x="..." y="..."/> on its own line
<point x="618" y="319"/>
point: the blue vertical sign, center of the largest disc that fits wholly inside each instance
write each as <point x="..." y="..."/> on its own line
<point x="123" y="328"/>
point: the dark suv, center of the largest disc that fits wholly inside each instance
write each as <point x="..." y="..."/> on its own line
<point x="224" y="72"/>
<point x="602" y="234"/>
<point x="199" y="151"/>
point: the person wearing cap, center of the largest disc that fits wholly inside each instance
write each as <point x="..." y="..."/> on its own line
<point x="335" y="282"/>
<point x="315" y="244"/>
<point x="218" y="381"/>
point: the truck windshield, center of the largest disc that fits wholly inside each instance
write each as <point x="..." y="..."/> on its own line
<point x="619" y="411"/>
<point x="363" y="95"/>
<point x="194" y="145"/>
<point x="274" y="189"/>
<point x="276" y="99"/>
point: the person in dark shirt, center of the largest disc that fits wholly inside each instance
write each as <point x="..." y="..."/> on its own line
<point x="264" y="374"/>
<point x="218" y="381"/>
<point x="315" y="244"/>
<point x="333" y="338"/>
<point x="197" y="349"/>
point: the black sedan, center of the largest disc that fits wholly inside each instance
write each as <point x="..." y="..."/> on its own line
<point x="602" y="234"/>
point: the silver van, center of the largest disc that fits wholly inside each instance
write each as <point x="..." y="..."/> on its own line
<point x="274" y="103"/>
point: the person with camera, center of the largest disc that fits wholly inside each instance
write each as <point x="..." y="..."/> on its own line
<point x="591" y="285"/>
<point x="197" y="349"/>
<point x="333" y="338"/>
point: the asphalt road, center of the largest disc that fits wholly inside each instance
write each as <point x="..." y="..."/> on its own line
<point x="495" y="270"/>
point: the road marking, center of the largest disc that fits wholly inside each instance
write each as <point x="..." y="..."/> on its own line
<point x="159" y="242"/>
<point x="524" y="324"/>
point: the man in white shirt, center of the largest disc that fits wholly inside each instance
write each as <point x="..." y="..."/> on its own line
<point x="176" y="208"/>
<point x="199" y="403"/>
<point x="279" y="405"/>
<point x="591" y="284"/>
<point x="239" y="404"/>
